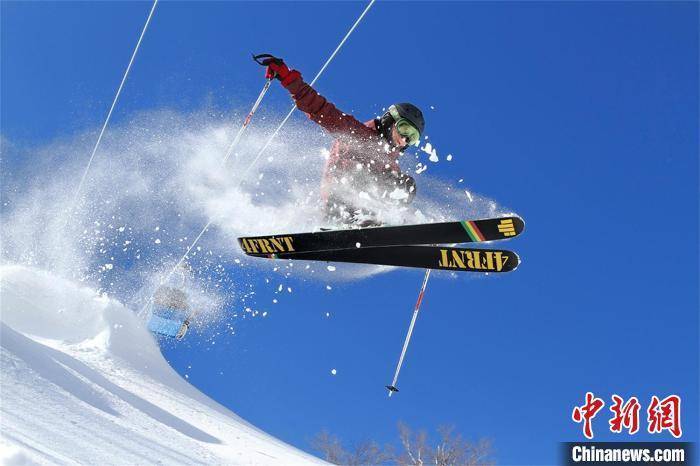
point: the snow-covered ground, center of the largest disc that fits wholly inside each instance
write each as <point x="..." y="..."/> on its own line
<point x="84" y="383"/>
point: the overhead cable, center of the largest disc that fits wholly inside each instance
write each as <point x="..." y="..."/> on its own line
<point x="111" y="109"/>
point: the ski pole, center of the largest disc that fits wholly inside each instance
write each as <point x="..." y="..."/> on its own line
<point x="247" y="120"/>
<point x="392" y="388"/>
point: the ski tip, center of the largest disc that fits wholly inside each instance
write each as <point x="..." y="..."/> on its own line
<point x="519" y="224"/>
<point x="510" y="226"/>
<point x="392" y="389"/>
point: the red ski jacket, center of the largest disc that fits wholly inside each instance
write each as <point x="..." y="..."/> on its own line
<point x="359" y="151"/>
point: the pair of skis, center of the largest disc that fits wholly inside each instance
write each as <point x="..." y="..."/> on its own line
<point x="402" y="246"/>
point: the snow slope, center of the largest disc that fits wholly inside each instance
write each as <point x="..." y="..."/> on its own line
<point x="84" y="382"/>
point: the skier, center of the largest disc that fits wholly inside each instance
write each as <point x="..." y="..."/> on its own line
<point x="364" y="156"/>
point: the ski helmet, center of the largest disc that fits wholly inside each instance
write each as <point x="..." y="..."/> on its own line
<point x="398" y="112"/>
<point x="411" y="113"/>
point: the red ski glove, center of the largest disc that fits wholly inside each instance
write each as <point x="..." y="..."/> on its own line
<point x="276" y="68"/>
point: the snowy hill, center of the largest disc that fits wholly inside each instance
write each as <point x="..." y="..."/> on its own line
<point x="84" y="382"/>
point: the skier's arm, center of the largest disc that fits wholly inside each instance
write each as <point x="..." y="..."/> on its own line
<point x="320" y="110"/>
<point x="311" y="102"/>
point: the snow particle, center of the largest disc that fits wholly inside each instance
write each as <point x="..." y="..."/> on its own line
<point x="333" y="371"/>
<point x="331" y="268"/>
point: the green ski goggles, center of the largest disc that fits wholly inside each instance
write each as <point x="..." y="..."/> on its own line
<point x="405" y="128"/>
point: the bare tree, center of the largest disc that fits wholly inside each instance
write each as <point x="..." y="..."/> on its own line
<point x="329" y="446"/>
<point x="369" y="452"/>
<point x="362" y="454"/>
<point x="454" y="450"/>
<point x="415" y="447"/>
<point x="416" y="450"/>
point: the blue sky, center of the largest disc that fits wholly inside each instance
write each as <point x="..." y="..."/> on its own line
<point x="581" y="117"/>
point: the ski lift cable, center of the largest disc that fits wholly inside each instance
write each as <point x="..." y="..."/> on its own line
<point x="177" y="265"/>
<point x="392" y="388"/>
<point x="233" y="144"/>
<point x="114" y="103"/>
<point x="242" y="129"/>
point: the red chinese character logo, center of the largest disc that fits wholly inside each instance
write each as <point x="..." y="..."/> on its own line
<point x="665" y="415"/>
<point x="587" y="412"/>
<point x="625" y="415"/>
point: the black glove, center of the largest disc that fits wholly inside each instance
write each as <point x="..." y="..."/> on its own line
<point x="403" y="182"/>
<point x="408" y="184"/>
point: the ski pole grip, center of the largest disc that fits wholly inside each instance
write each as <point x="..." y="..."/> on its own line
<point x="258" y="58"/>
